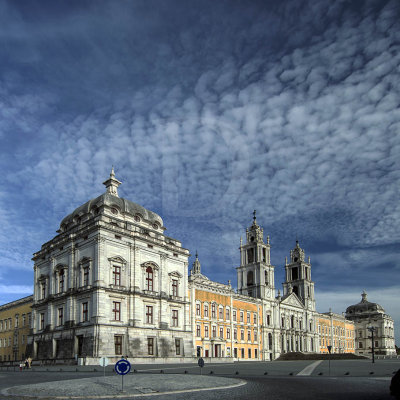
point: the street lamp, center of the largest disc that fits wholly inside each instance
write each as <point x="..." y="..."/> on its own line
<point x="372" y="329"/>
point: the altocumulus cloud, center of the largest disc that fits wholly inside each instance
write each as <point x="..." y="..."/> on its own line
<point x="291" y="109"/>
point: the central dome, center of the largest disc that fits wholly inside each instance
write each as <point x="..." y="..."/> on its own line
<point x="111" y="199"/>
<point x="364" y="307"/>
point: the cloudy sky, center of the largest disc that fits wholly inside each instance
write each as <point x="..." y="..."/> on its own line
<point x="209" y="110"/>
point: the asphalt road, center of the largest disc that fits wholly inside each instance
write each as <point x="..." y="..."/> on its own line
<point x="355" y="380"/>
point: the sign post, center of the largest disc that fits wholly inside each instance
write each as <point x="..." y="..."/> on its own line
<point x="329" y="359"/>
<point x="201" y="365"/>
<point x="122" y="367"/>
<point x="103" y="361"/>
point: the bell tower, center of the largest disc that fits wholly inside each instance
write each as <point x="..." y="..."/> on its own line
<point x="298" y="277"/>
<point x="256" y="274"/>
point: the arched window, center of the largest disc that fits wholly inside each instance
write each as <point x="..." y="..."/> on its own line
<point x="270" y="341"/>
<point x="250" y="278"/>
<point x="292" y="321"/>
<point x="266" y="277"/>
<point x="149" y="278"/>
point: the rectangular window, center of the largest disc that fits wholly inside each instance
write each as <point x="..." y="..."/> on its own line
<point x="249" y="335"/>
<point x="241" y="316"/>
<point x="213" y="310"/>
<point x="214" y="331"/>
<point x="16" y="321"/>
<point x="234" y="315"/>
<point x="175" y="318"/>
<point x="43" y="290"/>
<point x="198" y="330"/>
<point x="149" y="279"/>
<point x="268" y="319"/>
<point x="255" y="319"/>
<point x="41" y="321"/>
<point x="249" y="353"/>
<point x="178" y="347"/>
<point x="221" y="333"/>
<point x="60" y="316"/>
<point x="116" y="310"/>
<point x="206" y="331"/>
<point x="221" y="313"/>
<point x="116" y="276"/>
<point x="228" y="333"/>
<point x="198" y="309"/>
<point x="29" y="319"/>
<point x="255" y="336"/>
<point x="227" y="314"/>
<point x="149" y="314"/>
<point x="23" y="319"/>
<point x="235" y="334"/>
<point x="86" y="276"/>
<point x="360" y="345"/>
<point x="61" y="281"/>
<point x="255" y="353"/>
<point x="118" y="344"/>
<point x="84" y="312"/>
<point x="150" y="346"/>
<point x="175" y="287"/>
<point x="248" y="318"/>
<point x="242" y="334"/>
<point x="206" y="310"/>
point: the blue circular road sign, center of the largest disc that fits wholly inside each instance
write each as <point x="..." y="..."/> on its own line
<point x="122" y="367"/>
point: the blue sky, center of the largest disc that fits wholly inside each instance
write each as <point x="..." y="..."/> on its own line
<point x="209" y="110"/>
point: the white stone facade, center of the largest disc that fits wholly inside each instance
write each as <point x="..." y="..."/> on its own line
<point x="111" y="284"/>
<point x="366" y="315"/>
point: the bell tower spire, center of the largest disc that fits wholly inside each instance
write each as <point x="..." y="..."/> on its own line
<point x="196" y="267"/>
<point x="112" y="184"/>
<point x="255" y="274"/>
<point x="298" y="277"/>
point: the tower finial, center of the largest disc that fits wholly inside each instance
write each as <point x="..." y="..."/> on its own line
<point x="254" y="215"/>
<point x="112" y="183"/>
<point x="196" y="267"/>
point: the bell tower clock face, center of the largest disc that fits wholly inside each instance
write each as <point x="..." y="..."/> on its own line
<point x="268" y="292"/>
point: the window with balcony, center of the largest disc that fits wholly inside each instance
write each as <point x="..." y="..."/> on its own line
<point x="84" y="312"/>
<point x="41" y="326"/>
<point x="175" y="321"/>
<point x="149" y="314"/>
<point x="149" y="279"/>
<point x="175" y="287"/>
<point x="221" y="333"/>
<point x="116" y="275"/>
<point x="61" y="280"/>
<point x="116" y="311"/>
<point x="60" y="316"/>
<point x="85" y="277"/>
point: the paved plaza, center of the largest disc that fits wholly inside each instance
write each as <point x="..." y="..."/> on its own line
<point x="355" y="379"/>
